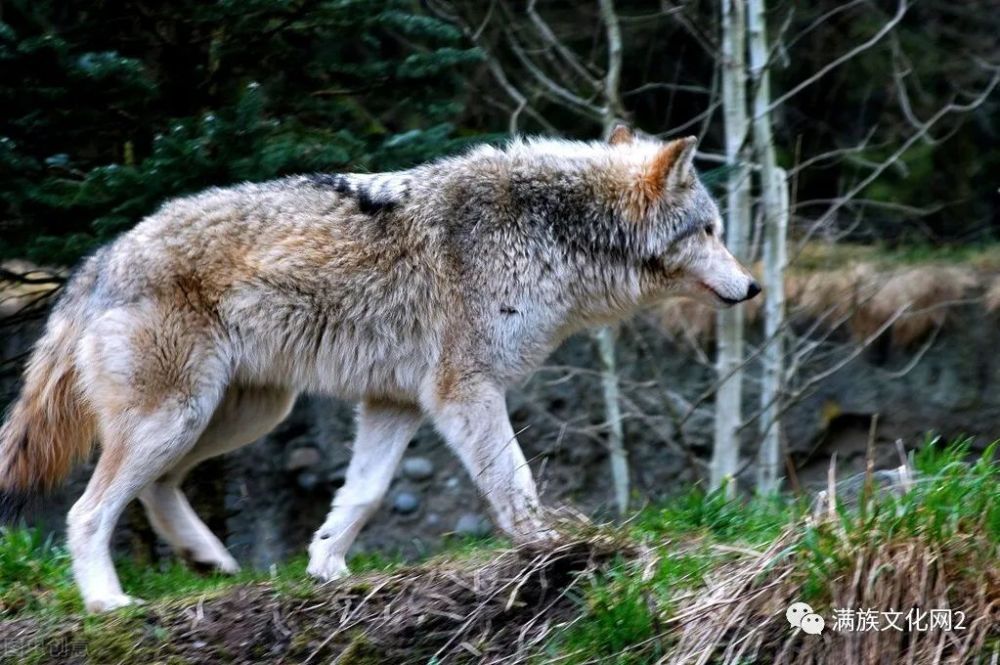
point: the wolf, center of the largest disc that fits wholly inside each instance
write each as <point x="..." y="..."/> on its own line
<point x="422" y="293"/>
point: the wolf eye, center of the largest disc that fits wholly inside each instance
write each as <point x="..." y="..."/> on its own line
<point x="709" y="230"/>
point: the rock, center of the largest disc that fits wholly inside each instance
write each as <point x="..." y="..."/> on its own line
<point x="303" y="458"/>
<point x="418" y="468"/>
<point x="472" y="524"/>
<point x="405" y="503"/>
<point x="308" y="480"/>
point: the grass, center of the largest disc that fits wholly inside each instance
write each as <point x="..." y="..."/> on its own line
<point x="36" y="576"/>
<point x="631" y="600"/>
<point x="713" y="516"/>
<point x="933" y="543"/>
<point x="953" y="506"/>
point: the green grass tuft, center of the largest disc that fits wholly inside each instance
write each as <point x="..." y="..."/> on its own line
<point x="35" y="573"/>
<point x="713" y="515"/>
<point x="953" y="505"/>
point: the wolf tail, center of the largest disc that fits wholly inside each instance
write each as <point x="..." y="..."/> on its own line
<point x="49" y="427"/>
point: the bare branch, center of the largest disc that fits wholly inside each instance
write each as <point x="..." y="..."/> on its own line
<point x="899" y="152"/>
<point x="550" y="88"/>
<point x="26" y="277"/>
<point x="549" y="37"/>
<point x="673" y="87"/>
<point x="837" y="62"/>
<point x="612" y="80"/>
<point x="822" y="19"/>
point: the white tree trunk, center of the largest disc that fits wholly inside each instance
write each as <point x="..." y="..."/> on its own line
<point x="605" y="337"/>
<point x="774" y="200"/>
<point x="729" y="358"/>
<point x="769" y="468"/>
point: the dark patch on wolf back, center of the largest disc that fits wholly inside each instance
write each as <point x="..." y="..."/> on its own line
<point x="369" y="206"/>
<point x="339" y="183"/>
<point x="335" y="181"/>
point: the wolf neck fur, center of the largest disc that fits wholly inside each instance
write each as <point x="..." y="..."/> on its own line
<point x="567" y="211"/>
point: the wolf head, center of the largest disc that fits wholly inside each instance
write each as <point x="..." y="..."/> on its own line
<point x="677" y="224"/>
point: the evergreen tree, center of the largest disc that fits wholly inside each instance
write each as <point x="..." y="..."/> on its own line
<point x="111" y="107"/>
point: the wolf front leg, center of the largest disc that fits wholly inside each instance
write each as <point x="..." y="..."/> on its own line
<point x="383" y="431"/>
<point x="472" y="418"/>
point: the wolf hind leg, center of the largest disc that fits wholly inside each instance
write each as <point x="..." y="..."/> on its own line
<point x="244" y="415"/>
<point x="383" y="431"/>
<point x="153" y="377"/>
<point x="138" y="446"/>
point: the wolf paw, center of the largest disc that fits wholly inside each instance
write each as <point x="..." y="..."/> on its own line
<point x="111" y="603"/>
<point x="328" y="569"/>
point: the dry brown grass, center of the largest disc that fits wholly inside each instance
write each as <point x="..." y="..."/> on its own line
<point x="16" y="296"/>
<point x="919" y="299"/>
<point x="511" y="605"/>
<point x="832" y="294"/>
<point x="686" y="319"/>
<point x="911" y="301"/>
<point x="991" y="297"/>
<point x="494" y="606"/>
<point x="741" y="617"/>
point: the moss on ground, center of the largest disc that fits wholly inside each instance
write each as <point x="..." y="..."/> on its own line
<point x="606" y="595"/>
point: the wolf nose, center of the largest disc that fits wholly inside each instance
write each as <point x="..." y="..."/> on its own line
<point x="752" y="290"/>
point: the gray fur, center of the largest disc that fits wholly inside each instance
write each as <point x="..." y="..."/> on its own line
<point x="422" y="293"/>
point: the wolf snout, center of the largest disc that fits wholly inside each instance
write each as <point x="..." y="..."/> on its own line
<point x="753" y="288"/>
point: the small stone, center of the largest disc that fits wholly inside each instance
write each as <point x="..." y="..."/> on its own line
<point x="405" y="503"/>
<point x="308" y="480"/>
<point x="303" y="458"/>
<point x="471" y="524"/>
<point x="418" y="468"/>
<point x="452" y="483"/>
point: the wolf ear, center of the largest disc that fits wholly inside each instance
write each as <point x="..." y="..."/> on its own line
<point x="673" y="166"/>
<point x="621" y="134"/>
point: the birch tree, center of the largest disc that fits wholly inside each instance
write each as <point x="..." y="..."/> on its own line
<point x="774" y="208"/>
<point x="605" y="337"/>
<point x="730" y="322"/>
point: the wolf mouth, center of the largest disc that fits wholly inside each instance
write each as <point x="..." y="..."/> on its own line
<point x="721" y="298"/>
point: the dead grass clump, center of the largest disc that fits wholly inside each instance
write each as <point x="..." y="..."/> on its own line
<point x="687" y="319"/>
<point x="489" y="607"/>
<point x="907" y="302"/>
<point x="874" y="572"/>
<point x="991" y="299"/>
<point x="741" y="618"/>
<point x="497" y="611"/>
<point x="915" y="300"/>
<point x="833" y="295"/>
<point x="18" y="295"/>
